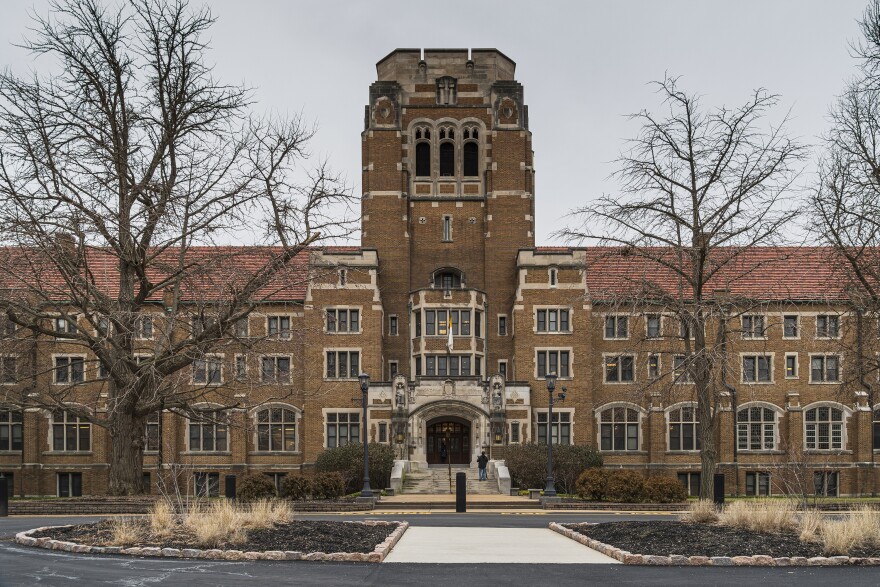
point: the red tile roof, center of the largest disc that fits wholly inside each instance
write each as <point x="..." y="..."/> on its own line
<point x="767" y="273"/>
<point x="211" y="272"/>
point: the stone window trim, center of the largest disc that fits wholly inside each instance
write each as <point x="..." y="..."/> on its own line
<point x="514" y="433"/>
<point x="754" y="326"/>
<point x="337" y="350"/>
<point x="667" y="414"/>
<point x="875" y="424"/>
<point x="144" y="327"/>
<point x="55" y="372"/>
<point x="680" y="375"/>
<point x="757" y="356"/>
<point x="846" y="413"/>
<point x="824" y="334"/>
<point x="797" y="366"/>
<point x="558" y="309"/>
<point x="778" y="412"/>
<point x="839" y="358"/>
<point x="342" y="278"/>
<point x="798" y="325"/>
<point x="440" y="328"/>
<point x="647" y="317"/>
<point x="758" y="481"/>
<point x="215" y="422"/>
<point x="553" y="277"/>
<point x="254" y="414"/>
<point x="393" y="325"/>
<point x="240" y="367"/>
<point x="433" y="133"/>
<point x="336" y="321"/>
<point x="619" y="366"/>
<point x="618" y="322"/>
<point x="69" y="418"/>
<point x="446" y="237"/>
<point x="274" y="379"/>
<point x="571" y="362"/>
<point x="657" y="371"/>
<point x="9" y="368"/>
<point x="556" y="410"/>
<point x="209" y="359"/>
<point x="65" y="325"/>
<point x="641" y="412"/>
<point x="277" y="322"/>
<point x="503" y="368"/>
<point x="12" y="421"/>
<point x="358" y="411"/>
<point x="153" y="424"/>
<point x="503" y="325"/>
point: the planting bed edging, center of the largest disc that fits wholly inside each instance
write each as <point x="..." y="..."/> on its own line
<point x="377" y="556"/>
<point x="757" y="560"/>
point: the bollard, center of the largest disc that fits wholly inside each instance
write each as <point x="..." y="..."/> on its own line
<point x="230" y="487"/>
<point x="4" y="497"/>
<point x="460" y="492"/>
<point x="718" y="494"/>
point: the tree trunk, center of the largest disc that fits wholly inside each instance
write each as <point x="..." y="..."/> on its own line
<point x="126" y="453"/>
<point x="708" y="453"/>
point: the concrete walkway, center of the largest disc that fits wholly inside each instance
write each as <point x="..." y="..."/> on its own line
<point x="491" y="545"/>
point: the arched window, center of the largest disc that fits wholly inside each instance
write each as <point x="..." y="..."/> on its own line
<point x="756" y="428"/>
<point x="683" y="433"/>
<point x="276" y="430"/>
<point x="70" y="433"/>
<point x="423" y="159"/>
<point x="619" y="429"/>
<point x="10" y="429"/>
<point x="471" y="157"/>
<point x="447" y="279"/>
<point x="447" y="159"/>
<point x="824" y="428"/>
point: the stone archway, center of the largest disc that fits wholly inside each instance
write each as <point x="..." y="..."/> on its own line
<point x="463" y="423"/>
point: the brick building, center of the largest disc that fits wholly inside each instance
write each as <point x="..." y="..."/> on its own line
<point x="457" y="316"/>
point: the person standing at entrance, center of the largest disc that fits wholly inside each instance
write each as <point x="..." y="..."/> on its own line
<point x="482" y="461"/>
<point x="443" y="452"/>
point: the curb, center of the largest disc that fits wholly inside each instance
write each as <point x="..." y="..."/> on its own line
<point x="757" y="560"/>
<point x="377" y="556"/>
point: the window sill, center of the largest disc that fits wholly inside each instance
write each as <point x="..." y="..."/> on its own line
<point x="6" y="453"/>
<point x="683" y="452"/>
<point x="206" y="453"/>
<point x="83" y="453"/>
<point x="274" y="453"/>
<point x="827" y="451"/>
<point x="620" y="338"/>
<point x="552" y="332"/>
<point x="340" y="378"/>
<point x="757" y="382"/>
<point x="774" y="451"/>
<point x="619" y="382"/>
<point x="613" y="453"/>
<point x="824" y="382"/>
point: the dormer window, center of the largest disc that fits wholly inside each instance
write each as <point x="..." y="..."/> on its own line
<point x="447" y="279"/>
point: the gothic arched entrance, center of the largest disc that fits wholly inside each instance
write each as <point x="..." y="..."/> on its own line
<point x="452" y="433"/>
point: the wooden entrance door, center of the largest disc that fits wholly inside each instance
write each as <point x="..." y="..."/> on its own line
<point x="457" y="439"/>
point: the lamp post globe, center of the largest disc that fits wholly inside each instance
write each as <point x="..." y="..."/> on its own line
<point x="364" y="381"/>
<point x="550" y="488"/>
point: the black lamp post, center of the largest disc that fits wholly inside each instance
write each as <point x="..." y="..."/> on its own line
<point x="364" y="380"/>
<point x="550" y="489"/>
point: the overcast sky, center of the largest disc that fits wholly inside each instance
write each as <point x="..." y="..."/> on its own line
<point x="584" y="65"/>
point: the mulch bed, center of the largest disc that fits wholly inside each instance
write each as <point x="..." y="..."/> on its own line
<point x="690" y="539"/>
<point x="304" y="536"/>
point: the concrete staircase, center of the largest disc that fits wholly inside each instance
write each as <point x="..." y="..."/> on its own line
<point x="435" y="481"/>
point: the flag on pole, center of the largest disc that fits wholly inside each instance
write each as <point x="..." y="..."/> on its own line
<point x="449" y="330"/>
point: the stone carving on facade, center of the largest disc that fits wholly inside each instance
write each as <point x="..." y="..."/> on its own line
<point x="448" y="388"/>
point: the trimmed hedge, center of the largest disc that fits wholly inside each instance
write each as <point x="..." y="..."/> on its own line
<point x="628" y="487"/>
<point x="528" y="464"/>
<point x="328" y="486"/>
<point x="255" y="486"/>
<point x="296" y="487"/>
<point x="348" y="461"/>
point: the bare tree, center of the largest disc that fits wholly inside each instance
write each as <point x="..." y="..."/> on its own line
<point x="846" y="202"/>
<point x="700" y="188"/>
<point x="120" y="175"/>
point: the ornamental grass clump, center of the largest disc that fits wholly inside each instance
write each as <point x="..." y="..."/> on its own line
<point x="809" y="523"/>
<point x="126" y="531"/>
<point x="702" y="511"/>
<point x="162" y="519"/>
<point x="861" y="528"/>
<point x="266" y="513"/>
<point x="220" y="523"/>
<point x="760" y="515"/>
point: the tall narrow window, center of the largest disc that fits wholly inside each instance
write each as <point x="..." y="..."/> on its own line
<point x="423" y="159"/>
<point x="447" y="159"/>
<point x="471" y="159"/>
<point x="447" y="230"/>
